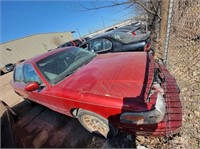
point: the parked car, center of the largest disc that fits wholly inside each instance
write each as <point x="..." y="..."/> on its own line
<point x="133" y="29"/>
<point x="125" y="91"/>
<point x="1" y="72"/>
<point x="22" y="60"/>
<point x="137" y="23"/>
<point x="111" y="29"/>
<point x="86" y="39"/>
<point x="118" y="42"/>
<point x="75" y="43"/>
<point x="10" y="67"/>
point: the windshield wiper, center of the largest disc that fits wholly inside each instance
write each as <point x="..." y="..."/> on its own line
<point x="69" y="73"/>
<point x="86" y="62"/>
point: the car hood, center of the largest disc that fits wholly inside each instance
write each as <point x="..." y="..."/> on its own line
<point x="115" y="75"/>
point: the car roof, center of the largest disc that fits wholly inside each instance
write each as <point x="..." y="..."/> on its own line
<point x="106" y="34"/>
<point x="128" y="28"/>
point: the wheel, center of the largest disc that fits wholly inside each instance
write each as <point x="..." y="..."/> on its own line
<point x="95" y="123"/>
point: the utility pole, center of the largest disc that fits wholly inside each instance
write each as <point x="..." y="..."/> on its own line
<point x="103" y="22"/>
<point x="78" y="32"/>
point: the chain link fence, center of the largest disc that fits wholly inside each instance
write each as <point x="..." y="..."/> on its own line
<point x="182" y="56"/>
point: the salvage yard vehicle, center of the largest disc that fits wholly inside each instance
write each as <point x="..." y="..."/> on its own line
<point x="10" y="67"/>
<point x="129" y="91"/>
<point x="116" y="41"/>
<point x="75" y="42"/>
<point x="134" y="29"/>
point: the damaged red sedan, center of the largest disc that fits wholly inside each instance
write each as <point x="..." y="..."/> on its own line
<point x="129" y="91"/>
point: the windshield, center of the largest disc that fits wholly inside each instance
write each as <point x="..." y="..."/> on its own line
<point x="122" y="37"/>
<point x="59" y="65"/>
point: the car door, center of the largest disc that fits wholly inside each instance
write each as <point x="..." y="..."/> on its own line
<point x="18" y="82"/>
<point x="43" y="95"/>
<point x="30" y="76"/>
<point x="25" y="74"/>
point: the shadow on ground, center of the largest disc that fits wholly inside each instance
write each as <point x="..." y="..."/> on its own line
<point x="40" y="127"/>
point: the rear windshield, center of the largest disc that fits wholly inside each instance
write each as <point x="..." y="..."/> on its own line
<point x="122" y="37"/>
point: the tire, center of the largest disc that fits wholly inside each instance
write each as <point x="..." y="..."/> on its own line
<point x="95" y="123"/>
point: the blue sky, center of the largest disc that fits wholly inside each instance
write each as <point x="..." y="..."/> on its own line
<point x="24" y="18"/>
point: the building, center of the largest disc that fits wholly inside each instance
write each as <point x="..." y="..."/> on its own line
<point x="27" y="47"/>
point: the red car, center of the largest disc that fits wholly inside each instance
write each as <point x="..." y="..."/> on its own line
<point x="125" y="91"/>
<point x="75" y="43"/>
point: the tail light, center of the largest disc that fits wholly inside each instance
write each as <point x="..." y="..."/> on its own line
<point x="157" y="113"/>
<point x="147" y="47"/>
<point x="73" y="44"/>
<point x="153" y="116"/>
<point x="133" y="33"/>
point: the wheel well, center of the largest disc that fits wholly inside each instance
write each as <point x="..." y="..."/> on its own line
<point x="74" y="111"/>
<point x="112" y="129"/>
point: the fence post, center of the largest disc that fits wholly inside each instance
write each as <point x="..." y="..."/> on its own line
<point x="167" y="37"/>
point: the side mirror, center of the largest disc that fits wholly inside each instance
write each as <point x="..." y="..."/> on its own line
<point x="32" y="87"/>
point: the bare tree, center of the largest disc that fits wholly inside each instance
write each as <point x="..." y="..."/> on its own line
<point x="130" y="3"/>
<point x="149" y="7"/>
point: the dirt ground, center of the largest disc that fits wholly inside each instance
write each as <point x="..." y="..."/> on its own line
<point x="7" y="93"/>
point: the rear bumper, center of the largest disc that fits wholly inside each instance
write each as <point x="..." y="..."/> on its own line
<point x="153" y="116"/>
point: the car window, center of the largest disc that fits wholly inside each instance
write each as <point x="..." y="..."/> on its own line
<point x="122" y="37"/>
<point x="18" y="74"/>
<point x="85" y="46"/>
<point x="30" y="74"/>
<point x="97" y="45"/>
<point x="107" y="44"/>
<point x="101" y="45"/>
